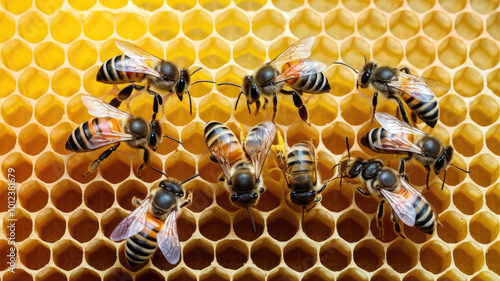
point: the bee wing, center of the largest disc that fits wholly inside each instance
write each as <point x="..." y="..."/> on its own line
<point x="298" y="50"/>
<point x="103" y="139"/>
<point x="140" y="61"/>
<point x="258" y="143"/>
<point x="402" y="205"/>
<point x="221" y="149"/>
<point x="416" y="86"/>
<point x="100" y="108"/>
<point x="396" y="126"/>
<point x="302" y="68"/>
<point x="399" y="142"/>
<point x="168" y="238"/>
<point x="133" y="223"/>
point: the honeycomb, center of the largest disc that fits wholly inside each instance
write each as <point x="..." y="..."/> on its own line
<point x="51" y="51"/>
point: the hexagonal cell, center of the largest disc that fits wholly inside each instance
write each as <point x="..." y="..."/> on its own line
<point x="83" y="225"/>
<point x="452" y="274"/>
<point x="402" y="256"/>
<point x="49" y="110"/>
<point x="452" y="52"/>
<point x="318" y="273"/>
<point x="82" y="5"/>
<point x="468" y="257"/>
<point x="99" y="196"/>
<point x="469" y="25"/>
<point x="84" y="274"/>
<point x="388" y="50"/>
<point x="202" y="194"/>
<point x="336" y="201"/>
<point x="371" y="24"/>
<point x="242" y="224"/>
<point x="131" y="26"/>
<point x="181" y="274"/>
<point x="282" y="224"/>
<point x="493" y="198"/>
<point x="484" y="227"/>
<point x="369" y="255"/>
<point x="16" y="110"/>
<point x="214" y="224"/>
<point x="485" y="276"/>
<point x="435" y="256"/>
<point x="454" y="227"/>
<point x="66" y="82"/>
<point x="33" y="196"/>
<point x="18" y="275"/>
<point x="453" y="110"/>
<point x="7" y="257"/>
<point x="82" y="54"/>
<point x="197" y="25"/>
<point x="214" y="273"/>
<point x="98" y="25"/>
<point x="339" y="24"/>
<point x="67" y="254"/>
<point x="232" y="24"/>
<point x="420" y="52"/>
<point x="282" y="273"/>
<point x="265" y="253"/>
<point x="249" y="53"/>
<point x="164" y="25"/>
<point x="7" y="139"/>
<point x="213" y="107"/>
<point x="24" y="225"/>
<point x="49" y="56"/>
<point x="116" y="168"/>
<point x="178" y="113"/>
<point x="150" y="275"/>
<point x="385" y="274"/>
<point x="484" y="53"/>
<point x="417" y="275"/>
<point x="249" y="274"/>
<point x="493" y="257"/>
<point x="34" y="254"/>
<point x="231" y="254"/>
<point x="49" y="167"/>
<point x="468" y="198"/>
<point x="117" y="273"/>
<point x="318" y="225"/>
<point x="65" y="27"/>
<point x="468" y="82"/>
<point x="66" y="195"/>
<point x="147" y="175"/>
<point x="352" y="226"/>
<point x="355" y="109"/>
<point x="8" y="82"/>
<point x="128" y="190"/>
<point x="9" y="25"/>
<point x="388" y="6"/>
<point x="186" y="224"/>
<point x="33" y="83"/>
<point x="484" y="110"/>
<point x="50" y="274"/>
<point x="268" y="24"/>
<point x="304" y="23"/>
<point x="20" y="164"/>
<point x="441" y="75"/>
<point x="100" y="254"/>
<point x="437" y="24"/>
<point x="352" y="274"/>
<point x="58" y="137"/>
<point x="333" y="137"/>
<point x="484" y="170"/>
<point x="198" y="253"/>
<point x="404" y="24"/>
<point x="301" y="132"/>
<point x="353" y="52"/>
<point x="16" y="54"/>
<point x="468" y="139"/>
<point x="32" y="26"/>
<point x="50" y="225"/>
<point x="214" y="53"/>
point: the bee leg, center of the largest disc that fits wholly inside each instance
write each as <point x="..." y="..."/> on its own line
<point x="405" y="69"/>
<point x="402" y="169"/>
<point x="397" y="227"/>
<point x="428" y="174"/>
<point x="374" y="103"/>
<point x="146" y="161"/>
<point x="136" y="201"/>
<point x="157" y="101"/>
<point x="401" y="109"/>
<point x="124" y="94"/>
<point x="95" y="164"/>
<point x="187" y="201"/>
<point x="362" y="191"/>
<point x="297" y="101"/>
<point x="380" y="215"/>
<point x="257" y="107"/>
<point x="275" y="106"/>
<point x="212" y="158"/>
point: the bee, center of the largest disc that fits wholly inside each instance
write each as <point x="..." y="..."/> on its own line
<point x="396" y="136"/>
<point x="241" y="164"/>
<point x="110" y="126"/>
<point x="387" y="184"/>
<point x="153" y="224"/>
<point x="399" y="84"/>
<point x="137" y="65"/>
<point x="291" y="68"/>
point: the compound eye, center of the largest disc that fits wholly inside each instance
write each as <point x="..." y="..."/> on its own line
<point x="255" y="195"/>
<point x="366" y="77"/>
<point x="181" y="194"/>
<point x="234" y="197"/>
<point x="254" y="93"/>
<point x="439" y="164"/>
<point x="293" y="195"/>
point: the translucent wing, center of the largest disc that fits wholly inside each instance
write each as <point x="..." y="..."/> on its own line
<point x="258" y="143"/>
<point x="298" y="50"/>
<point x="416" y="86"/>
<point x="396" y="126"/>
<point x="139" y="60"/>
<point x="103" y="139"/>
<point x="100" y="108"/>
<point x="168" y="238"/>
<point x="401" y="204"/>
<point x="133" y="223"/>
<point x="302" y="68"/>
<point x="399" y="143"/>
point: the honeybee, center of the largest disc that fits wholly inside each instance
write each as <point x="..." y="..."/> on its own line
<point x="396" y="136"/>
<point x="153" y="224"/>
<point x="137" y="65"/>
<point x="293" y="68"/>
<point x="387" y="184"/>
<point x="112" y="125"/>
<point x="241" y="164"/>
<point x="399" y="84"/>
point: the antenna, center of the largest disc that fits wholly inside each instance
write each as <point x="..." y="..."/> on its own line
<point x="344" y="64"/>
<point x="176" y="140"/>
<point x="190" y="178"/>
<point x="251" y="219"/>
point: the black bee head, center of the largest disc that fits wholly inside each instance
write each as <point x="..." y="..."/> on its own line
<point x="303" y="198"/>
<point x="156" y="135"/>
<point x="371" y="169"/>
<point x="444" y="161"/>
<point x="365" y="75"/>
<point x="244" y="200"/>
<point x="351" y="169"/>
<point x="182" y="85"/>
<point x="162" y="201"/>
<point x="138" y="127"/>
<point x="250" y="90"/>
<point x="172" y="187"/>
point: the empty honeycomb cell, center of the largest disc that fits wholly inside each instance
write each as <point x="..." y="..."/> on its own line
<point x="352" y="274"/>
<point x="82" y="54"/>
<point x="50" y="225"/>
<point x="339" y="24"/>
<point x="222" y="197"/>
<point x="127" y="191"/>
<point x="305" y="23"/>
<point x="355" y="109"/>
<point x="150" y="275"/>
<point x="282" y="224"/>
<point x="16" y="54"/>
<point x="84" y="274"/>
<point x="33" y="196"/>
<point x="442" y="76"/>
<point x="371" y="24"/>
<point x="388" y="6"/>
<point x="5" y="252"/>
<point x="484" y="7"/>
<point x="493" y="81"/>
<point x="468" y="257"/>
<point x="404" y="24"/>
<point x="164" y="25"/>
<point x="198" y="253"/>
<point x="388" y="51"/>
<point x="32" y="27"/>
<point x="334" y="200"/>
<point x="453" y="6"/>
<point x="100" y="254"/>
<point x="325" y="50"/>
<point x="249" y="53"/>
<point x="186" y="223"/>
<point x="131" y="26"/>
<point x="58" y="137"/>
<point x="116" y="168"/>
<point x="468" y="198"/>
<point x="402" y="256"/>
<point x="341" y="79"/>
<point x="282" y="273"/>
<point x="7" y="139"/>
<point x="214" y="53"/>
<point x="435" y="256"/>
<point x="484" y="53"/>
<point x="265" y="253"/>
<point x="208" y="170"/>
<point x="368" y="255"/>
<point x="452" y="52"/>
<point x="492" y="197"/>
<point x="468" y="25"/>
<point x="66" y="195"/>
<point x="484" y="111"/>
<point x="454" y="227"/>
<point x="117" y="273"/>
<point x="352" y="226"/>
<point x="34" y="254"/>
<point x="483" y="227"/>
<point x="178" y="112"/>
<point x="148" y="174"/>
<point x="8" y="83"/>
<point x="417" y="275"/>
<point x="385" y="274"/>
<point x="437" y="24"/>
<point x="49" y="167"/>
<point x="8" y="26"/>
<point x="302" y="132"/>
<point x="49" y="56"/>
<point x="484" y="170"/>
<point x="98" y="25"/>
<point x="214" y="273"/>
<point x="66" y="82"/>
<point x="242" y="224"/>
<point x="109" y="221"/>
<point x="493" y="257"/>
<point x="325" y="109"/>
<point x="484" y="276"/>
<point x="453" y="110"/>
<point x="21" y="165"/>
<point x="249" y="274"/>
<point x="65" y="27"/>
<point x="67" y="254"/>
<point x="181" y="5"/>
<point x="214" y="224"/>
<point x="193" y="138"/>
<point x="492" y="25"/>
<point x="318" y="273"/>
<point x="356" y="5"/>
<point x="24" y="225"/>
<point x="420" y="52"/>
<point x="213" y="107"/>
<point x="18" y="275"/>
<point x="299" y="255"/>
<point x="421" y="6"/>
<point x="197" y="25"/>
<point x="98" y="196"/>
<point x="33" y="83"/>
<point x="268" y="24"/>
<point x="231" y="254"/>
<point x="82" y="5"/>
<point x="232" y="24"/>
<point x="49" y="110"/>
<point x="318" y="225"/>
<point x="202" y="192"/>
<point x="452" y="274"/>
<point x="468" y="140"/>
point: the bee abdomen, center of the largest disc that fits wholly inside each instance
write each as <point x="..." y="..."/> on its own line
<point x="108" y="73"/>
<point x="217" y="133"/>
<point x="141" y="246"/>
<point x="314" y="84"/>
<point x="372" y="137"/>
<point x="426" y="111"/>
<point x="425" y="217"/>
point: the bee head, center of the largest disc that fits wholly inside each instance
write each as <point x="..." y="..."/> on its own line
<point x="351" y="169"/>
<point x="250" y="90"/>
<point x="444" y="161"/>
<point x="303" y="198"/>
<point x="138" y="127"/>
<point x="183" y="83"/>
<point x="156" y="134"/>
<point x="371" y="169"/>
<point x="162" y="201"/>
<point x="244" y="200"/>
<point x="365" y="75"/>
<point x="173" y="187"/>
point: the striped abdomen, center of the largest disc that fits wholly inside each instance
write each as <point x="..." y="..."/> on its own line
<point x="378" y="136"/>
<point x="142" y="246"/>
<point x="221" y="140"/>
<point x="110" y="75"/>
<point x="78" y="140"/>
<point x="426" y="111"/>
<point x="301" y="159"/>
<point x="425" y="217"/>
<point x="314" y="84"/>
